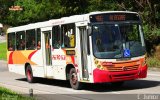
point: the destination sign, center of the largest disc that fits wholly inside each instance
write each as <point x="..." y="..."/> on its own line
<point x="114" y="17"/>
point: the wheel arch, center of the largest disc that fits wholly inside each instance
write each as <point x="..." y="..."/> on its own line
<point x="29" y="73"/>
<point x="68" y="68"/>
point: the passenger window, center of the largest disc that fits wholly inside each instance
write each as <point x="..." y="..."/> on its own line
<point x="11" y="41"/>
<point x="38" y="34"/>
<point x="68" y="35"/>
<point x="20" y="40"/>
<point x="56" y="37"/>
<point x="30" y="40"/>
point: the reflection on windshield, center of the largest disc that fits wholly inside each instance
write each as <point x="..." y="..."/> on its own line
<point x="110" y="40"/>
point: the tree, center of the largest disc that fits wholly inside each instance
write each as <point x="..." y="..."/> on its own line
<point x="72" y="7"/>
<point x="4" y="8"/>
<point x="33" y="11"/>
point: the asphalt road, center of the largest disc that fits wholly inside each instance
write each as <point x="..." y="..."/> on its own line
<point x="3" y="66"/>
<point x="48" y="89"/>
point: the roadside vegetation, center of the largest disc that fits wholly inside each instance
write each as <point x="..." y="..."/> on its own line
<point x="6" y="94"/>
<point x="3" y="51"/>
<point x="153" y="59"/>
<point x="153" y="62"/>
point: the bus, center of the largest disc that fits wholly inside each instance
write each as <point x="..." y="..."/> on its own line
<point x="98" y="47"/>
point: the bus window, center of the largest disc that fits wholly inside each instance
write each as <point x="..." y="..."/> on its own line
<point x="38" y="41"/>
<point x="68" y="35"/>
<point x="30" y="40"/>
<point x="11" y="41"/>
<point x="20" y="40"/>
<point x="56" y="37"/>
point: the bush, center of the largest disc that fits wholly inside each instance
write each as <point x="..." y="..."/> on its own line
<point x="153" y="62"/>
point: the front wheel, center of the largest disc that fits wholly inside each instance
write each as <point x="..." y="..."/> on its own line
<point x="75" y="84"/>
<point x="29" y="74"/>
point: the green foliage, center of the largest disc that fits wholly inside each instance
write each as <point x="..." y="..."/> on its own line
<point x="102" y="5"/>
<point x="153" y="62"/>
<point x="72" y="7"/>
<point x="4" y="9"/>
<point x="33" y="11"/>
<point x="3" y="51"/>
<point x="6" y="94"/>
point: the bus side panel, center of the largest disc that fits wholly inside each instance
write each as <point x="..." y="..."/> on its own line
<point x="59" y="62"/>
<point x="19" y="69"/>
<point x="13" y="65"/>
<point x="18" y="59"/>
<point x="38" y="67"/>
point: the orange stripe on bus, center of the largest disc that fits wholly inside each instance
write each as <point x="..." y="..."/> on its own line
<point x="19" y="58"/>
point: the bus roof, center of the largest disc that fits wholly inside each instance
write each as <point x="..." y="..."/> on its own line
<point x="63" y="20"/>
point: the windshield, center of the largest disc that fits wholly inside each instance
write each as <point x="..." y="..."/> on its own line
<point x="117" y="40"/>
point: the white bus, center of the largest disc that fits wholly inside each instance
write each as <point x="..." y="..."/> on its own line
<point x="97" y="47"/>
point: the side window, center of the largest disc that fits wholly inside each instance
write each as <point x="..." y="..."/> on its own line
<point x="20" y="40"/>
<point x="30" y="40"/>
<point x="56" y="37"/>
<point x="38" y="35"/>
<point x="11" y="41"/>
<point x="68" y="35"/>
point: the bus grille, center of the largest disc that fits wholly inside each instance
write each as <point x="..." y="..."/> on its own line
<point x="126" y="68"/>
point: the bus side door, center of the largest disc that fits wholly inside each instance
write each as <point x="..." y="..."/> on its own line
<point x="46" y="47"/>
<point x="84" y="58"/>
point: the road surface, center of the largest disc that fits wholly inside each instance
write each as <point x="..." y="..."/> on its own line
<point x="48" y="89"/>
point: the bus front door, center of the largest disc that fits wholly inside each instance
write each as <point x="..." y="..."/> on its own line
<point x="47" y="53"/>
<point x="83" y="50"/>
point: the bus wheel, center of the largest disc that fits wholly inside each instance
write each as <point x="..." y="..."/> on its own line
<point x="74" y="80"/>
<point x="117" y="84"/>
<point x="29" y="74"/>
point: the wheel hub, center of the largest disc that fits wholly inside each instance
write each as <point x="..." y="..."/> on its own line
<point x="29" y="74"/>
<point x="74" y="78"/>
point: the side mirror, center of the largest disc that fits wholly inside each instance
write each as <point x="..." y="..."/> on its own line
<point x="89" y="30"/>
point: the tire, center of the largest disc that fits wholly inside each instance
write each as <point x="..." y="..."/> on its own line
<point x="117" y="84"/>
<point x="74" y="80"/>
<point x="29" y="74"/>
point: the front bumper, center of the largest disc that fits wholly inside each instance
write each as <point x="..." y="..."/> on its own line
<point x="101" y="76"/>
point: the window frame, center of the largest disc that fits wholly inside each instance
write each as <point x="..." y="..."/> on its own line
<point x="57" y="31"/>
<point x="18" y="33"/>
<point x="38" y="31"/>
<point x="27" y="39"/>
<point x="8" y="39"/>
<point x="69" y="26"/>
